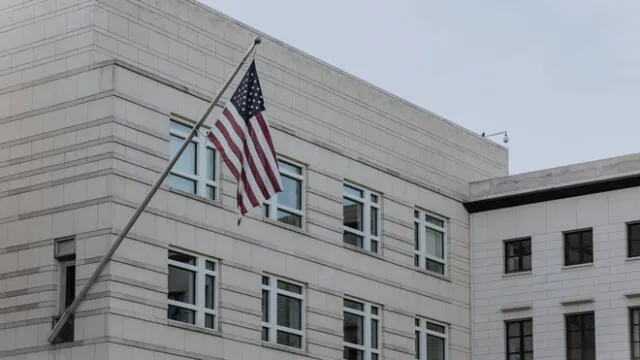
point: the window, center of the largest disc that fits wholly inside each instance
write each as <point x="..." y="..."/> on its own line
<point x="578" y="247"/>
<point x="431" y="340"/>
<point x="361" y="331"/>
<point x="361" y="218"/>
<point x="517" y="255"/>
<point x="430" y="237"/>
<point x="634" y="321"/>
<point x="286" y="206"/>
<point x="520" y="339"/>
<point x="65" y="254"/>
<point x="581" y="342"/>
<point x="196" y="170"/>
<point x="282" y="312"/>
<point x="193" y="285"/>
<point x="633" y="238"/>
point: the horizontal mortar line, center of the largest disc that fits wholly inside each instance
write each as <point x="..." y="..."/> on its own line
<point x="23" y="323"/>
<point x="329" y="88"/>
<point x="325" y="331"/>
<point x="29" y="271"/>
<point x="27" y="306"/>
<point x="273" y="248"/>
<point x="240" y="291"/>
<point x="44" y="79"/>
<point x="125" y="261"/>
<point x="43" y="16"/>
<point x="324" y="195"/>
<point x="125" y="281"/>
<point x="43" y="42"/>
<point x="27" y="291"/>
<point x="127" y="297"/>
<point x="65" y="104"/>
<point x="58" y="209"/>
<point x="49" y="242"/>
<point x="325" y="313"/>
<point x="241" y="309"/>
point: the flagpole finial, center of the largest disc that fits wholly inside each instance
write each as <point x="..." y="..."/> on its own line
<point x="257" y="40"/>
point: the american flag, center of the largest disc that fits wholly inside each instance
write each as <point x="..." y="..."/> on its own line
<point x="241" y="135"/>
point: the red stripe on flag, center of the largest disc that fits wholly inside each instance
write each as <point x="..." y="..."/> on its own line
<point x="223" y="153"/>
<point x="263" y="159"/>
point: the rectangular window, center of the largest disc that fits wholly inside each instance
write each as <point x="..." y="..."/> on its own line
<point x="431" y="340"/>
<point x="519" y="339"/>
<point x="286" y="206"/>
<point x="196" y="170"/>
<point x="578" y="247"/>
<point x="282" y="312"/>
<point x="430" y="239"/>
<point x="581" y="338"/>
<point x="633" y="239"/>
<point x="193" y="289"/>
<point x="634" y="321"/>
<point x="65" y="254"/>
<point x="517" y="255"/>
<point x="361" y="218"/>
<point x="361" y="331"/>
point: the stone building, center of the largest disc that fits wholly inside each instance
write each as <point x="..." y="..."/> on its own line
<point x="94" y="96"/>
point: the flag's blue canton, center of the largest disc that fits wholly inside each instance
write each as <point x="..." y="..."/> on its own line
<point x="248" y="97"/>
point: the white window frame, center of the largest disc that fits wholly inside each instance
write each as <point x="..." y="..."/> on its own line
<point x="367" y="316"/>
<point x="62" y="283"/>
<point x="274" y="205"/>
<point x="419" y="219"/>
<point x="423" y="332"/>
<point x="201" y="272"/>
<point x="201" y="154"/>
<point x="367" y="204"/>
<point x="272" y="324"/>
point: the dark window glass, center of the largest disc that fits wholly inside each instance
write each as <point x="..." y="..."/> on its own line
<point x="519" y="339"/>
<point x="633" y="236"/>
<point x="634" y="321"/>
<point x="182" y="285"/>
<point x="580" y="338"/>
<point x="353" y="328"/>
<point x="285" y="338"/>
<point x="517" y="255"/>
<point x="70" y="285"/>
<point x="578" y="247"/>
<point x="180" y="314"/>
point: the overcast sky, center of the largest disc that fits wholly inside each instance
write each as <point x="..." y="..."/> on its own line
<point x="561" y="76"/>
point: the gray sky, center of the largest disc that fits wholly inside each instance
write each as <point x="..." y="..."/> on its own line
<point x="560" y="76"/>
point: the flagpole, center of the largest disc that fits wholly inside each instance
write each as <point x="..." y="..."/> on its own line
<point x="83" y="292"/>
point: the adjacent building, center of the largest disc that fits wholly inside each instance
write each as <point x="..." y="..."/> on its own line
<point x="365" y="255"/>
<point x="555" y="263"/>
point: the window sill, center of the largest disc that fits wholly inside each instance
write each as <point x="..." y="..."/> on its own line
<point x="434" y="274"/>
<point x="300" y="230"/>
<point x="517" y="274"/>
<point x="577" y="266"/>
<point x="632" y="259"/>
<point x="289" y="349"/>
<point x="215" y="203"/>
<point x="192" y="327"/>
<point x="361" y="250"/>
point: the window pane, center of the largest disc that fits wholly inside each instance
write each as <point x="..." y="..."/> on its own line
<point x="265" y="280"/>
<point x="353" y="328"/>
<point x="183" y="258"/>
<point x="180" y="314"/>
<point x="374" y="310"/>
<point x="209" y="292"/>
<point x="289" y="312"/>
<point x="289" y="287"/>
<point x="180" y="127"/>
<point x="528" y="343"/>
<point x="209" y="321"/>
<point x="374" y="333"/>
<point x="352" y="214"/>
<point x="289" y="218"/>
<point x="416" y="236"/>
<point x="188" y="159"/>
<point x="435" y="348"/>
<point x="526" y="262"/>
<point x="513" y="264"/>
<point x="435" y="243"/>
<point x="527" y="327"/>
<point x="182" y="285"/>
<point x="374" y="246"/>
<point x="634" y="248"/>
<point x="265" y="333"/>
<point x="514" y="345"/>
<point x="265" y="305"/>
<point x="573" y="256"/>
<point x="434" y="266"/>
<point x="417" y="341"/>
<point x="374" y="221"/>
<point x="210" y="164"/>
<point x="353" y="239"/>
<point x="374" y="198"/>
<point x="515" y="357"/>
<point x="416" y="260"/>
<point x="352" y="354"/>
<point x="434" y="221"/>
<point x="513" y="329"/>
<point x="291" y="194"/>
<point x="184" y="184"/>
<point x="352" y="191"/>
<point x="435" y="327"/>
<point x="210" y="265"/>
<point x="587" y="250"/>
<point x="353" y="304"/>
<point x="70" y="285"/>
<point x="287" y="339"/>
<point x="634" y="231"/>
<point x="285" y="166"/>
